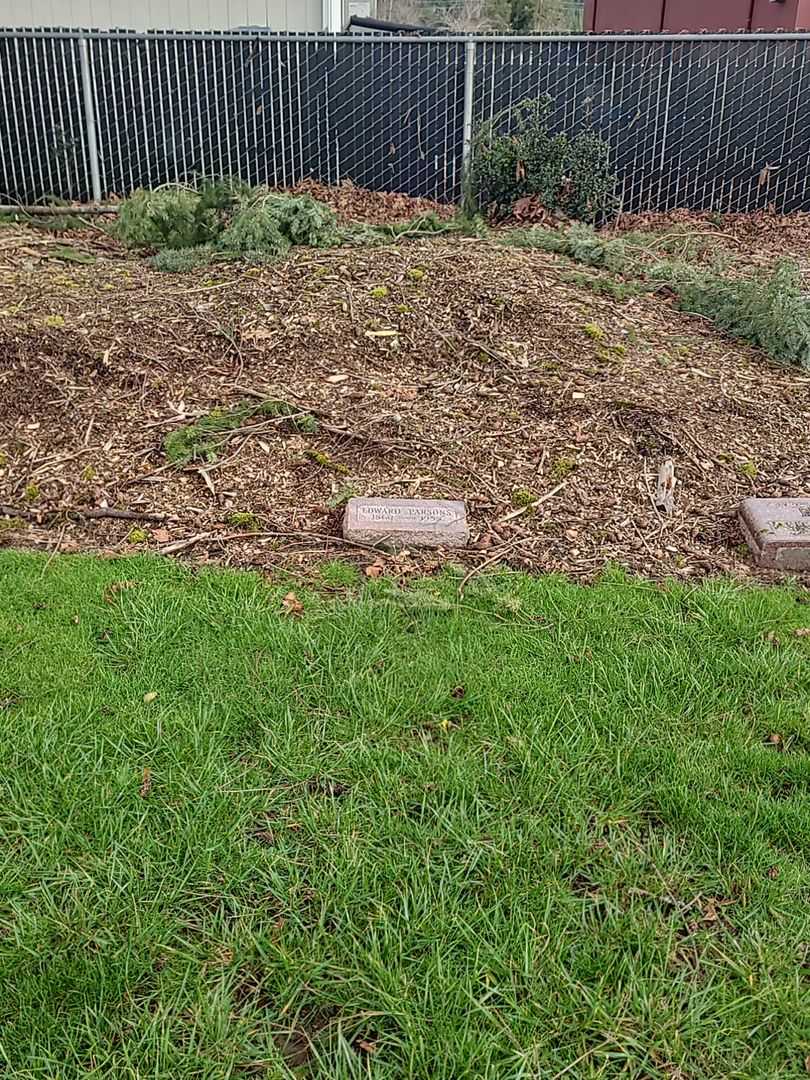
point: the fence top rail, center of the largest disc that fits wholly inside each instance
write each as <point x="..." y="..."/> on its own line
<point x="392" y="39"/>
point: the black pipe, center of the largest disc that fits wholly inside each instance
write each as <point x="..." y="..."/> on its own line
<point x="387" y="27"/>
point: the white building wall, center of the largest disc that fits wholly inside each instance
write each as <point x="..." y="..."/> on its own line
<point x="302" y="15"/>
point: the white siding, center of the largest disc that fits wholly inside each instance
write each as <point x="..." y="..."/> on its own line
<point x="306" y="15"/>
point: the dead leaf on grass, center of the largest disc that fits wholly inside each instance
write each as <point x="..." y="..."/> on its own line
<point x="146" y="782"/>
<point x="116" y="587"/>
<point x="376" y="569"/>
<point x="366" y="1046"/>
<point x="264" y="836"/>
<point x="774" y="872"/>
<point x="150" y="697"/>
<point x="710" y="913"/>
<point x="807" y="1063"/>
<point x="223" y="956"/>
<point x="458" y="692"/>
<point x="776" y="741"/>
<point x="292" y="606"/>
<point x="325" y="786"/>
<point x="802" y="631"/>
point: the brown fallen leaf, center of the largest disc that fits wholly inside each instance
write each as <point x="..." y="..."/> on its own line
<point x="264" y="836"/>
<point x="115" y="587"/>
<point x="223" y="956"/>
<point x="458" y="692"/>
<point x="802" y="631"/>
<point x="774" y="740"/>
<point x="292" y="605"/>
<point x="375" y="569"/>
<point x="807" y="1063"/>
<point x="161" y="536"/>
<point x="150" y="697"/>
<point x="366" y="1046"/>
<point x="146" y="783"/>
<point x="774" y="872"/>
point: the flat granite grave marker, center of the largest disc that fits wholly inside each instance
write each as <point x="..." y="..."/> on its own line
<point x="778" y="532"/>
<point x="398" y="523"/>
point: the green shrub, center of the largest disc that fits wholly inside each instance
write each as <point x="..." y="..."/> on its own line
<point x="227" y="215"/>
<point x="773" y="314"/>
<point x="429" y="224"/>
<point x="242" y="519"/>
<point x="269" y="224"/>
<point x="201" y="440"/>
<point x="304" y="220"/>
<point x="572" y="175"/>
<point x="253" y="229"/>
<point x="170" y="217"/>
<point x="305" y="423"/>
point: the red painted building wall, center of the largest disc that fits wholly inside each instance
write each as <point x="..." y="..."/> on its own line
<point x="696" y="15"/>
<point x="699" y="15"/>
<point x="790" y="15"/>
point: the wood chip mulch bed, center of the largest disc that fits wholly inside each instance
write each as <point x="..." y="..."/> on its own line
<point x="448" y="368"/>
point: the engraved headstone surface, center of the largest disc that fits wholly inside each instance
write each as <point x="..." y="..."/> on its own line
<point x="398" y="523"/>
<point x="778" y="532"/>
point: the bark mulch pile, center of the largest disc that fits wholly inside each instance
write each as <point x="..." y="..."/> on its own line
<point x="749" y="240"/>
<point x="448" y="368"/>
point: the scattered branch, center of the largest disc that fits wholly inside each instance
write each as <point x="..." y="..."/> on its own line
<point x="78" y="511"/>
<point x="499" y="554"/>
<point x="532" y="505"/>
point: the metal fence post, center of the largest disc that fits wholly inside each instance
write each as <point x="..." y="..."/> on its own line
<point x="469" y="85"/>
<point x="90" y="119"/>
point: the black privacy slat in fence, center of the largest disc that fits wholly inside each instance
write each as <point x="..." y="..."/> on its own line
<point x="703" y="124"/>
<point x="43" y="149"/>
<point x="395" y="115"/>
<point x="172" y="109"/>
<point x="709" y="122"/>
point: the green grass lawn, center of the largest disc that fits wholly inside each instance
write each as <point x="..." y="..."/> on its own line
<point x="538" y="833"/>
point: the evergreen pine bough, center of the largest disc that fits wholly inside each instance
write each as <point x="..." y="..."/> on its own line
<point x="773" y="314"/>
<point x="226" y="218"/>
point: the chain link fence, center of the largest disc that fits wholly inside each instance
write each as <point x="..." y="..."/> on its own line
<point x="710" y="122"/>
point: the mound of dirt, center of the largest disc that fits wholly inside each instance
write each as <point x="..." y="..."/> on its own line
<point x="448" y="368"/>
<point x="754" y="240"/>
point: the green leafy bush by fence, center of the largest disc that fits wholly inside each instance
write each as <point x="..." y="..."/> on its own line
<point x="515" y="155"/>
